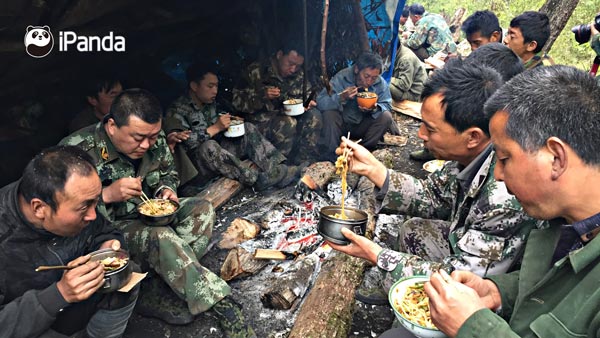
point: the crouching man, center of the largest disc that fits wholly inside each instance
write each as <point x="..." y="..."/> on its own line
<point x="49" y="217"/>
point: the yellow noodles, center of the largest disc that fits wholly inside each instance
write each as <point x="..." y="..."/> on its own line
<point x="342" y="169"/>
<point x="414" y="306"/>
<point x="157" y="207"/>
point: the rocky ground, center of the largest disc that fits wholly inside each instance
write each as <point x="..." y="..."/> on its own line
<point x="368" y="320"/>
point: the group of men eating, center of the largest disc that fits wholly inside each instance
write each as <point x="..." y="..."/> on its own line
<point x="506" y="229"/>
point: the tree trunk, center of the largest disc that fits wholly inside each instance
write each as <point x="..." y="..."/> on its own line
<point x="359" y="24"/>
<point x="456" y="22"/>
<point x="559" y="12"/>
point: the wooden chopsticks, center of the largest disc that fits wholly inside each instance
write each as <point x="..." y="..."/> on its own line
<point x="146" y="200"/>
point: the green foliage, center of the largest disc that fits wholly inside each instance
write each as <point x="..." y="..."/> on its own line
<point x="565" y="49"/>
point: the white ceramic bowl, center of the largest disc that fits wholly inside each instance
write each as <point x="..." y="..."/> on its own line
<point x="433" y="165"/>
<point x="236" y="129"/>
<point x="293" y="107"/>
<point x="396" y="294"/>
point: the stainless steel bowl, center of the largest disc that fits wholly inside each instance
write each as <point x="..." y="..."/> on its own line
<point x="161" y="220"/>
<point x="330" y="227"/>
<point x="116" y="279"/>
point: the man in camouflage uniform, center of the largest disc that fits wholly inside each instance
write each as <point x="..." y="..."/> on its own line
<point x="461" y="217"/>
<point x="211" y="151"/>
<point x="527" y="36"/>
<point x="431" y="33"/>
<point x="132" y="158"/>
<point x="260" y="94"/>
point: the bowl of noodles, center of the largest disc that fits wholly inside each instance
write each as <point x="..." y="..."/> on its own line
<point x="117" y="270"/>
<point x="366" y="100"/>
<point x="333" y="218"/>
<point x="411" y="306"/>
<point x="158" y="212"/>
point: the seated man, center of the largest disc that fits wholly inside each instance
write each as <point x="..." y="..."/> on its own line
<point x="482" y="27"/>
<point x="341" y="113"/>
<point x="100" y="93"/>
<point x="461" y="217"/>
<point x="527" y="36"/>
<point x="215" y="154"/>
<point x="409" y="76"/>
<point x="552" y="166"/>
<point x="260" y="94"/>
<point x="49" y="218"/>
<point x="132" y="158"/>
<point x="431" y="34"/>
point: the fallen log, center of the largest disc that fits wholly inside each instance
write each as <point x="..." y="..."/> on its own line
<point x="289" y="287"/>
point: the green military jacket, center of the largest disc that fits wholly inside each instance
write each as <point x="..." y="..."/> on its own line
<point x="432" y="33"/>
<point x="408" y="79"/>
<point x="538" y="60"/>
<point x="488" y="227"/>
<point x="157" y="167"/>
<point x="195" y="118"/>
<point x="545" y="300"/>
<point x="249" y="93"/>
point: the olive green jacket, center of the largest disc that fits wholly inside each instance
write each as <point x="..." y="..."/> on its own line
<point x="559" y="300"/>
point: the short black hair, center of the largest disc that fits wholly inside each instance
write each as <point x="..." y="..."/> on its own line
<point x="405" y="12"/>
<point x="47" y="173"/>
<point x="416" y="9"/>
<point x="138" y="102"/>
<point x="573" y="114"/>
<point x="466" y="87"/>
<point x="98" y="82"/>
<point x="196" y="71"/>
<point x="499" y="57"/>
<point x="484" y="22"/>
<point x="369" y="60"/>
<point x="535" y="26"/>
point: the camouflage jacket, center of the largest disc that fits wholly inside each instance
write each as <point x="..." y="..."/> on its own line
<point x="538" y="60"/>
<point x="157" y="167"/>
<point x="193" y="117"/>
<point x="351" y="114"/>
<point x="432" y="33"/>
<point x="249" y="93"/>
<point x="488" y="227"/>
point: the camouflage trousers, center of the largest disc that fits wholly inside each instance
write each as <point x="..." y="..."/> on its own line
<point x="224" y="157"/>
<point x="423" y="246"/>
<point x="173" y="252"/>
<point x="295" y="136"/>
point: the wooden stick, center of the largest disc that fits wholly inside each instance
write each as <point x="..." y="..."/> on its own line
<point x="149" y="202"/>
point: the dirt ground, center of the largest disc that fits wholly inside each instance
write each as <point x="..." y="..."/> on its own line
<point x="368" y="320"/>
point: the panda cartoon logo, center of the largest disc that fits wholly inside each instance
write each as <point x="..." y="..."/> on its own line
<point x="38" y="41"/>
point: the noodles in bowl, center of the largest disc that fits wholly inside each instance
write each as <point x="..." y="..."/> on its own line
<point x="158" y="212"/>
<point x="411" y="307"/>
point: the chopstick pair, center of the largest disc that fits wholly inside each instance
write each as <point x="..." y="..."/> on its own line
<point x="146" y="200"/>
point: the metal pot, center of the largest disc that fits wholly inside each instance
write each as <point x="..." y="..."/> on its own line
<point x="330" y="227"/>
<point x="116" y="279"/>
<point x="161" y="220"/>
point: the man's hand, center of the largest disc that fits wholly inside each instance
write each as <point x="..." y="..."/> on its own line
<point x="223" y="122"/>
<point x="169" y="194"/>
<point x="485" y="288"/>
<point x="176" y="137"/>
<point x="311" y="104"/>
<point x="122" y="190"/>
<point x="272" y="92"/>
<point x="362" y="162"/>
<point x="113" y="244"/>
<point x="82" y="281"/>
<point x="348" y="93"/>
<point x="359" y="246"/>
<point x="451" y="302"/>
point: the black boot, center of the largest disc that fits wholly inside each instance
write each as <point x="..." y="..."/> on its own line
<point x="157" y="300"/>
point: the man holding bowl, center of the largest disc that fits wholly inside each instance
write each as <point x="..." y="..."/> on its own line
<point x="343" y="113"/>
<point x="461" y="218"/>
<point x="49" y="218"/>
<point x="552" y="165"/>
<point x="132" y="158"/>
